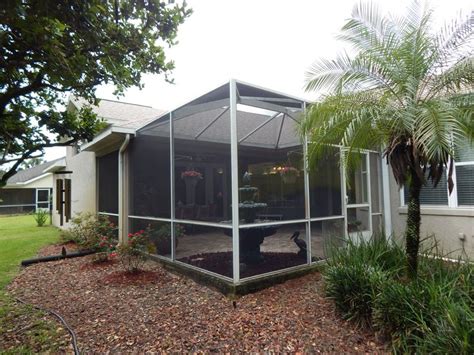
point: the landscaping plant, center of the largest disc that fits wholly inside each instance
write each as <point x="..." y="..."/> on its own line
<point x="356" y="272"/>
<point x="41" y="216"/>
<point x="161" y="237"/>
<point x="132" y="253"/>
<point x="92" y="232"/>
<point x="407" y="89"/>
<point x="433" y="313"/>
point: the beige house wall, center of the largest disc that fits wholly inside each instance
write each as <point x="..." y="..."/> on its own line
<point x="453" y="228"/>
<point x="83" y="184"/>
<point x="45" y="182"/>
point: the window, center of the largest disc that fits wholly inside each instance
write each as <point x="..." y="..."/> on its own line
<point x="464" y="172"/>
<point x="463" y="176"/>
<point x="430" y="195"/>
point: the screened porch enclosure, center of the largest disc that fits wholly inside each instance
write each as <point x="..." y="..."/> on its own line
<point x="221" y="185"/>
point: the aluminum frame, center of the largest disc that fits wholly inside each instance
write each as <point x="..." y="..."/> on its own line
<point x="230" y="104"/>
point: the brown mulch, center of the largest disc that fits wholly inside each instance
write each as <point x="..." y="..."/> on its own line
<point x="136" y="278"/>
<point x="56" y="249"/>
<point x="94" y="264"/>
<point x="173" y="313"/>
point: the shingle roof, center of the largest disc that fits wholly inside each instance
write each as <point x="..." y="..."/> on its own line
<point x="121" y="114"/>
<point x="31" y="173"/>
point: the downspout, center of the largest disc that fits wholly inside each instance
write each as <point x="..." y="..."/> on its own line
<point x="386" y="199"/>
<point x="121" y="211"/>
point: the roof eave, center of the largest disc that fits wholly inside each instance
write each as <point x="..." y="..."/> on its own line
<point x="108" y="140"/>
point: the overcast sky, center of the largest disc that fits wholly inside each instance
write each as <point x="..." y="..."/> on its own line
<point x="269" y="43"/>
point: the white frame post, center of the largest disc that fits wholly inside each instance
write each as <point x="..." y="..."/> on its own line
<point x="369" y="193"/>
<point x="172" y="196"/>
<point x="122" y="208"/>
<point x="342" y="169"/>
<point x="387" y="210"/>
<point x="307" y="203"/>
<point x="235" y="180"/>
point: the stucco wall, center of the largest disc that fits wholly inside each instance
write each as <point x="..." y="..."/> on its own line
<point x="83" y="184"/>
<point x="449" y="225"/>
<point x="44" y="182"/>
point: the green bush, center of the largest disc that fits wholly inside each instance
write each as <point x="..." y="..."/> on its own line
<point x="41" y="216"/>
<point x="453" y="331"/>
<point x="132" y="254"/>
<point x="353" y="289"/>
<point x="90" y="231"/>
<point x="424" y="316"/>
<point x="432" y="314"/>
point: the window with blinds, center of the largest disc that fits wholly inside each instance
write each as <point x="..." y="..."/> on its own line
<point x="464" y="165"/>
<point x="430" y="195"/>
<point x="465" y="184"/>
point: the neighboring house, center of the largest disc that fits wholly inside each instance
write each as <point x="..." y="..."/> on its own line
<point x="28" y="190"/>
<point x="179" y="176"/>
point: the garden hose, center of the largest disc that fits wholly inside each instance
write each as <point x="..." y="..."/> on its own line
<point x="69" y="329"/>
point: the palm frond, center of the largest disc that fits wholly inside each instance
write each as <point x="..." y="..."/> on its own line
<point x="343" y="120"/>
<point x="401" y="90"/>
<point x="453" y="42"/>
<point x="458" y="78"/>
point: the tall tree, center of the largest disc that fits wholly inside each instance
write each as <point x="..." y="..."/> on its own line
<point x="52" y="48"/>
<point x="407" y="89"/>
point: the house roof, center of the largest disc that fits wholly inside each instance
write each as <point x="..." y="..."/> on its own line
<point x="120" y="114"/>
<point x="25" y="176"/>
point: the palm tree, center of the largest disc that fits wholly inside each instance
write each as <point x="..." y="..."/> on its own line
<point x="406" y="90"/>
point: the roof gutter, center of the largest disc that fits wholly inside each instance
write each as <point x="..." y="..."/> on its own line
<point x="122" y="225"/>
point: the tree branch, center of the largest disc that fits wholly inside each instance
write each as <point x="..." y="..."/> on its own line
<point x="27" y="155"/>
<point x="24" y="90"/>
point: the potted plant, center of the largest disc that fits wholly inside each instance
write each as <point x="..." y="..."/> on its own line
<point x="161" y="237"/>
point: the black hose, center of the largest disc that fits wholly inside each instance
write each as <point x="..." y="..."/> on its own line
<point x="69" y="329"/>
<point x="41" y="259"/>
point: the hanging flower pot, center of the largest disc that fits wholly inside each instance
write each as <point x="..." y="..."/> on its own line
<point x="191" y="178"/>
<point x="289" y="174"/>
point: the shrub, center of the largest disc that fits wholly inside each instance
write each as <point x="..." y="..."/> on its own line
<point x="453" y="331"/>
<point x="353" y="289"/>
<point x="92" y="232"/>
<point x="132" y="254"/>
<point x="423" y="316"/>
<point x="355" y="273"/>
<point x="41" y="216"/>
<point x="378" y="252"/>
<point x="431" y="314"/>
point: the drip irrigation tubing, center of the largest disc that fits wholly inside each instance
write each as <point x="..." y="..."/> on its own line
<point x="68" y="328"/>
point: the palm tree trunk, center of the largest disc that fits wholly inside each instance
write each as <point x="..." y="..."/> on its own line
<point x="412" y="234"/>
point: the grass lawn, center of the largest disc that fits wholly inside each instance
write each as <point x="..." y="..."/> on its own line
<point x="27" y="329"/>
<point x="20" y="239"/>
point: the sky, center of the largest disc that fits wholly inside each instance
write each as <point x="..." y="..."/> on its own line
<point x="270" y="43"/>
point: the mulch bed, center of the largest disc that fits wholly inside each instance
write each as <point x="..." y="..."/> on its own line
<point x="56" y="249"/>
<point x="221" y="263"/>
<point x="94" y="264"/>
<point x="169" y="312"/>
<point x="136" y="278"/>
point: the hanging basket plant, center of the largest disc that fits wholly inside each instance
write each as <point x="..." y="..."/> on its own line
<point x="289" y="174"/>
<point x="191" y="175"/>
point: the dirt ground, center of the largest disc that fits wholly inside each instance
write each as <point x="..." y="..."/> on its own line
<point x="159" y="311"/>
